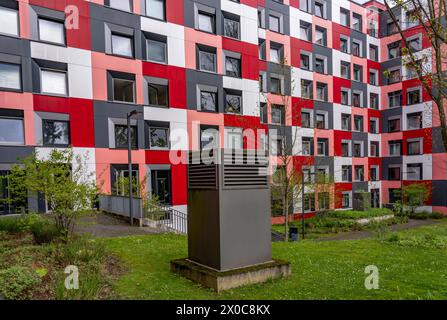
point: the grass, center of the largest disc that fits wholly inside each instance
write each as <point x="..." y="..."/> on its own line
<point x="321" y="270"/>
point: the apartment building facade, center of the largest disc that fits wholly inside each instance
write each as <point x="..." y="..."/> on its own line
<point x="203" y="73"/>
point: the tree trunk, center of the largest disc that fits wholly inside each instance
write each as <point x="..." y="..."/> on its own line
<point x="286" y="220"/>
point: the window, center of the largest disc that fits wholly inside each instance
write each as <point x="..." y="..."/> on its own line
<point x="373" y="29"/>
<point x="414" y="171"/>
<point x="358" y="148"/>
<point x="346" y="173"/>
<point x="374" y="101"/>
<point x="309" y="202"/>
<point x="306" y="89"/>
<point x="320" y="8"/>
<point x="231" y="27"/>
<point x="346" y="122"/>
<point x="263" y="112"/>
<point x="275" y="85"/>
<point x="233" y="67"/>
<point x="394" y="125"/>
<point x="374" y="125"/>
<point x="392" y="27"/>
<point x="394" y="50"/>
<point x="305" y="31"/>
<point x="124" y="5"/>
<point x="394" y="173"/>
<point x="358" y="73"/>
<point x="276" y="52"/>
<point x="155" y="9"/>
<point x="233" y="138"/>
<point x="356" y="48"/>
<point x="11" y="131"/>
<point x="320" y="36"/>
<point x="123" y="90"/>
<point x="161" y="185"/>
<point x="357" y="99"/>
<point x="158" y="95"/>
<point x="356" y="22"/>
<point x="119" y="175"/>
<point x="345" y="96"/>
<point x="374" y="174"/>
<point x="411" y="17"/>
<point x="156" y="50"/>
<point x="209" y="138"/>
<point x="413" y="96"/>
<point x="262" y="49"/>
<point x="10" y="77"/>
<point x="395" y="99"/>
<point x="344" y="44"/>
<point x="395" y="147"/>
<point x="414" y="147"/>
<point x="323" y="201"/>
<point x="345" y="70"/>
<point x="346" y="200"/>
<point x="358" y="123"/>
<point x="10" y="21"/>
<point x="345" y="148"/>
<point x="394" y="76"/>
<point x="51" y="31"/>
<point x="320" y="121"/>
<point x="321" y="93"/>
<point x="305" y="5"/>
<point x="233" y="102"/>
<point x="374" y="149"/>
<point x="414" y="120"/>
<point x="305" y="119"/>
<point x="208" y="101"/>
<point x="358" y="173"/>
<point x="394" y="195"/>
<point x="320" y="65"/>
<point x="415" y="44"/>
<point x="121" y="137"/>
<point x="307" y="146"/>
<point x="373" y="52"/>
<point x="55" y="133"/>
<point x="274" y="23"/>
<point x="305" y="61"/>
<point x="278" y="114"/>
<point x="159" y="137"/>
<point x="344" y="17"/>
<point x="262" y="82"/>
<point x="122" y="45"/>
<point x="322" y="147"/>
<point x="206" y="21"/>
<point x="53" y="82"/>
<point x="373" y="77"/>
<point x="278" y="147"/>
<point x="207" y="60"/>
<point x="261" y="18"/>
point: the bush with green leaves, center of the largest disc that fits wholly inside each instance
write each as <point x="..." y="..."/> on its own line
<point x="44" y="232"/>
<point x="353" y="214"/>
<point x="17" y="282"/>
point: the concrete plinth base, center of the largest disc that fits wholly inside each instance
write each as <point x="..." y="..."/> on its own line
<point x="224" y="280"/>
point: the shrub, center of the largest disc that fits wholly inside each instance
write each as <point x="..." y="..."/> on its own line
<point x="352" y="214"/>
<point x="423" y="215"/>
<point x="10" y="225"/>
<point x="44" y="232"/>
<point x="16" y="282"/>
<point x="437" y="215"/>
<point x="81" y="250"/>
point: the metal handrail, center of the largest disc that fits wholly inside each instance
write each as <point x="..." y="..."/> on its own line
<point x="167" y="217"/>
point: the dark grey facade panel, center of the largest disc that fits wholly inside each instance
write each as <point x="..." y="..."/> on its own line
<point x="387" y="114"/>
<point x="195" y="79"/>
<point x="387" y="162"/>
<point x="13" y="154"/>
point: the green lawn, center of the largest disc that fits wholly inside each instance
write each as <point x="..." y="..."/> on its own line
<point x="321" y="270"/>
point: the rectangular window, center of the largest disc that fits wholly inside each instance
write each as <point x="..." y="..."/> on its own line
<point x="322" y="147"/>
<point x="323" y="201"/>
<point x="358" y="73"/>
<point x="346" y="200"/>
<point x="11" y="131"/>
<point x="124" y="5"/>
<point x="357" y="149"/>
<point x="276" y="52"/>
<point x="345" y="149"/>
<point x="359" y="175"/>
<point x="121" y="137"/>
<point x="208" y="101"/>
<point x="344" y="17"/>
<point x="394" y="50"/>
<point x="346" y="173"/>
<point x="373" y="78"/>
<point x="53" y="82"/>
<point x="374" y="149"/>
<point x="415" y="44"/>
<point x="123" y="90"/>
<point x="51" y="31"/>
<point x="55" y="133"/>
<point x="207" y="61"/>
<point x="345" y="70"/>
<point x="394" y="76"/>
<point x="155" y="9"/>
<point x="306" y="89"/>
<point x="358" y="123"/>
<point x="320" y="36"/>
<point x="10" y="77"/>
<point x="320" y="65"/>
<point x="345" y="97"/>
<point x="346" y="122"/>
<point x="373" y="53"/>
<point x="394" y="173"/>
<point x="344" y="44"/>
<point x="411" y="18"/>
<point x="374" y="101"/>
<point x="10" y="21"/>
<point x="262" y="50"/>
<point x="305" y="119"/>
<point x="392" y="27"/>
<point x="264" y="114"/>
<point x="321" y="93"/>
<point x="305" y="5"/>
<point x="278" y="114"/>
<point x="206" y="21"/>
<point x="122" y="45"/>
<point x="395" y="99"/>
<point x="357" y="22"/>
<point x="357" y="99"/>
<point x="414" y="120"/>
<point x="306" y="146"/>
<point x="159" y="138"/>
<point x="373" y="125"/>
<point x="394" y="125"/>
<point x="231" y="28"/>
<point x="233" y="67"/>
<point x="305" y="31"/>
<point x="156" y="51"/>
<point x="158" y="95"/>
<point x="414" y="171"/>
<point x="309" y="202"/>
<point x="395" y="148"/>
<point x="356" y="49"/>
<point x="414" y="147"/>
<point x="373" y="174"/>
<point x="274" y="23"/>
<point x="413" y="96"/>
<point x="209" y="138"/>
<point x="320" y="8"/>
<point x="161" y="185"/>
<point x="275" y="85"/>
<point x="305" y="61"/>
<point x="320" y="121"/>
<point x="233" y="103"/>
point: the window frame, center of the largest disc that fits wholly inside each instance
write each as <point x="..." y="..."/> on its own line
<point x="56" y="144"/>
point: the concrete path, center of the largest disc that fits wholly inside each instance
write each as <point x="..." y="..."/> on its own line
<point x="101" y="225"/>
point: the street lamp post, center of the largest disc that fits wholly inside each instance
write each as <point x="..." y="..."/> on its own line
<point x="129" y="160"/>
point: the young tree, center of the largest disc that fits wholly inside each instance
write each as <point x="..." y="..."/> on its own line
<point x="62" y="178"/>
<point x="415" y="195"/>
<point x="429" y="67"/>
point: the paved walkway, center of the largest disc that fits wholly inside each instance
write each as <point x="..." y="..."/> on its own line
<point x="102" y="225"/>
<point x="357" y="235"/>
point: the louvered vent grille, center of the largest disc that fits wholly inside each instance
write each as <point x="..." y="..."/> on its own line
<point x="202" y="176"/>
<point x="244" y="170"/>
